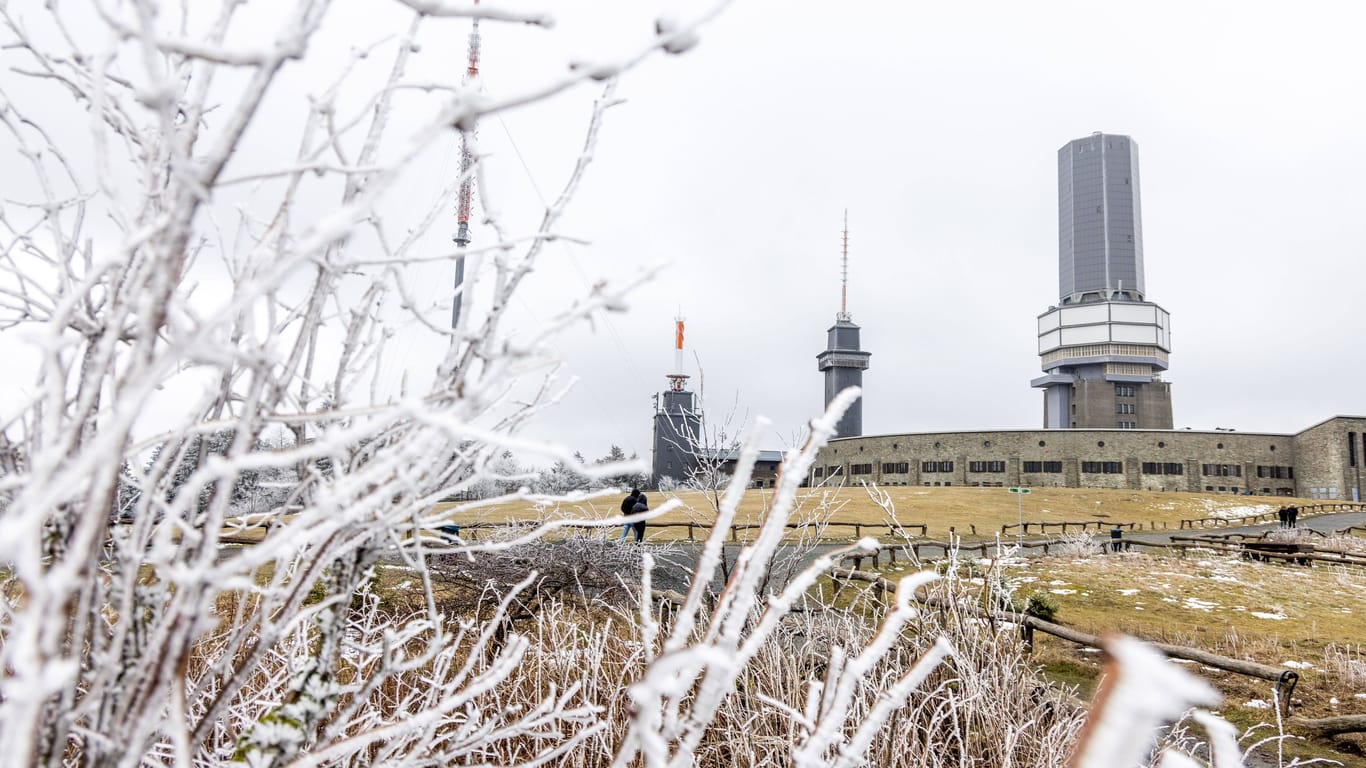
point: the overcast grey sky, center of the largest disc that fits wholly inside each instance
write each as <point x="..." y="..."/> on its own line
<point x="936" y="125"/>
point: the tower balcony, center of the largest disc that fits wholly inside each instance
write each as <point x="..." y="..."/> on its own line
<point x="1122" y="332"/>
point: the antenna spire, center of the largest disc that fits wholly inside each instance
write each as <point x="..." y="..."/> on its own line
<point x="466" y="198"/>
<point x="844" y="315"/>
<point x="678" y="379"/>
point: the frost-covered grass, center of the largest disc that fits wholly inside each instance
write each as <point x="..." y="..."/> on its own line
<point x="1310" y="619"/>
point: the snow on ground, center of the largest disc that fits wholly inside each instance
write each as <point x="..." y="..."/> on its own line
<point x="1297" y="664"/>
<point x="1272" y="616"/>
<point x="1196" y="604"/>
<point x="1216" y="508"/>
<point x="1257" y="704"/>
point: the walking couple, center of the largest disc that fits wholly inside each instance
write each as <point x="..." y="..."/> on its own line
<point x="634" y="504"/>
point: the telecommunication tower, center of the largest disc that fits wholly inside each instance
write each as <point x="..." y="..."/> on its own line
<point x="466" y="199"/>
<point x="842" y="361"/>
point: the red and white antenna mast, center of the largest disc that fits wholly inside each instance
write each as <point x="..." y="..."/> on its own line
<point x="678" y="380"/>
<point x="466" y="199"/>
<point x="844" y="315"/>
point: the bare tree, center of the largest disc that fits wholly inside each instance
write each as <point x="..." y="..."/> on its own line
<point x="129" y="131"/>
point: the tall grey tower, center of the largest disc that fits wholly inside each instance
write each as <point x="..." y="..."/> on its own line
<point x="1104" y="346"/>
<point x="678" y="423"/>
<point x="842" y="361"/>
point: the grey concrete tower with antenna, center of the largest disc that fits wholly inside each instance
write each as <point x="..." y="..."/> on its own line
<point x="1104" y="346"/>
<point x="843" y="362"/>
<point x="678" y="425"/>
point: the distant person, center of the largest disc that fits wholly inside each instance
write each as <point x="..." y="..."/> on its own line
<point x="1283" y="515"/>
<point x="627" y="504"/>
<point x="1116" y="539"/>
<point x="1293" y="515"/>
<point x="639" y="525"/>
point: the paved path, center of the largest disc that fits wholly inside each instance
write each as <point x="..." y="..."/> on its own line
<point x="1333" y="521"/>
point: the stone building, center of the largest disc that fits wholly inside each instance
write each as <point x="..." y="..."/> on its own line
<point x="1324" y="461"/>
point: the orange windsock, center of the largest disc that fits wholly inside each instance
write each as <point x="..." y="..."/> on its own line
<point x="678" y="336"/>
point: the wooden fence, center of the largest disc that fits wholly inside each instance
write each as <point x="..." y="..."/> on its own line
<point x="1284" y="679"/>
<point x="1083" y="525"/>
<point x="1267" y="517"/>
<point x="890" y="529"/>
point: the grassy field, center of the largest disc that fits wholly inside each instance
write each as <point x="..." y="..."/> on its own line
<point x="1311" y="619"/>
<point x="970" y="512"/>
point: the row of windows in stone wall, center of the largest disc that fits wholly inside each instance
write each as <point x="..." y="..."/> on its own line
<point x="1055" y="467"/>
<point x="1282" y="491"/>
<point x="1163" y="468"/>
<point x="1236" y="470"/>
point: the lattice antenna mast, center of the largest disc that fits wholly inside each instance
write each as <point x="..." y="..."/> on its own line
<point x="844" y="315"/>
<point x="466" y="199"/>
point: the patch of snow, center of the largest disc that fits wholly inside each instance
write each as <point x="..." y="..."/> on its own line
<point x="1297" y="664"/>
<point x="1129" y="591"/>
<point x="1058" y="583"/>
<point x="1272" y="616"/>
<point x="1196" y="604"/>
<point x="1257" y="704"/>
<point x="1222" y="577"/>
<point x="1359" y="695"/>
<point x="1063" y="591"/>
<point x="1138" y="607"/>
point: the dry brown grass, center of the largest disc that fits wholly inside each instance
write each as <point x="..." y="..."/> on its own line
<point x="963" y="509"/>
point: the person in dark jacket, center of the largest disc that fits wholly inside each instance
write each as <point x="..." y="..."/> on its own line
<point x="639" y="525"/>
<point x="1283" y="515"/>
<point x="627" y="504"/>
<point x="1293" y="515"/>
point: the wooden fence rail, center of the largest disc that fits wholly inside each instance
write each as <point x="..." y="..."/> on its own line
<point x="1305" y="511"/>
<point x="891" y="529"/>
<point x="1284" y="679"/>
<point x="1082" y="525"/>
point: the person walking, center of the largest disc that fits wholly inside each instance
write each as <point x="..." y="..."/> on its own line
<point x="628" y="504"/>
<point x="639" y="526"/>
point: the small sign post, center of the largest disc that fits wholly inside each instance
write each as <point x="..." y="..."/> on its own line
<point x="1019" y="508"/>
